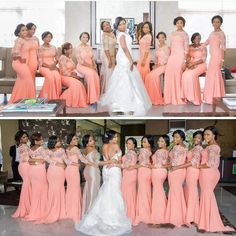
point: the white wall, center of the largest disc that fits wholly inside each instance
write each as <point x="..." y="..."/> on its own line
<point x="77" y="20"/>
<point x="165" y="14"/>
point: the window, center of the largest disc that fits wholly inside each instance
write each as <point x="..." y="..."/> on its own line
<point x="47" y="15"/>
<point x="198" y="17"/>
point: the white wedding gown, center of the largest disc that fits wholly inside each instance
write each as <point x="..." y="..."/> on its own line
<point x="107" y="215"/>
<point x="125" y="90"/>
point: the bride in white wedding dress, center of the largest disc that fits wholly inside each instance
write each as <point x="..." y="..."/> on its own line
<point x="107" y="215"/>
<point x="126" y="92"/>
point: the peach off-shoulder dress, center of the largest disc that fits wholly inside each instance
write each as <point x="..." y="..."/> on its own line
<point x="73" y="191"/>
<point x="144" y="195"/>
<point x="191" y="90"/>
<point x="24" y="86"/>
<point x="75" y="94"/>
<point x="129" y="183"/>
<point x="176" y="205"/>
<point x="52" y="84"/>
<point x="159" y="175"/>
<point x="85" y="55"/>
<point x="174" y="68"/>
<point x="214" y="84"/>
<point x="25" y="194"/>
<point x="39" y="184"/>
<point x="209" y="217"/>
<point x="144" y="47"/>
<point x="56" y="189"/>
<point x="153" y="79"/>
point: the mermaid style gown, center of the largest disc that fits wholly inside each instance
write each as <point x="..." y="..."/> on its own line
<point x="125" y="90"/>
<point x="107" y="215"/>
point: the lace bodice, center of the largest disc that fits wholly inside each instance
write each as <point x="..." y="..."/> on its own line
<point x="129" y="159"/>
<point x="58" y="155"/>
<point x="178" y="155"/>
<point x="74" y="155"/>
<point x="160" y="158"/>
<point x="194" y="155"/>
<point x="144" y="156"/>
<point x="24" y="153"/>
<point x="213" y="156"/>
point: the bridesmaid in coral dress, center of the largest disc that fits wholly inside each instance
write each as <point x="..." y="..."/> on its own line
<point x="144" y="195"/>
<point x="176" y="63"/>
<point x="38" y="179"/>
<point x="196" y="66"/>
<point x="91" y="173"/>
<point x="192" y="177"/>
<point x="144" y="49"/>
<point x="176" y="205"/>
<point x="75" y="94"/>
<point x="209" y="217"/>
<point x="23" y="209"/>
<point x="214" y="84"/>
<point x="108" y="55"/>
<point x="33" y="42"/>
<point x="129" y="178"/>
<point x="24" y="85"/>
<point x="87" y="67"/>
<point x="56" y="179"/>
<point x="48" y="59"/>
<point x="159" y="175"/>
<point x="73" y="192"/>
<point x="153" y="79"/>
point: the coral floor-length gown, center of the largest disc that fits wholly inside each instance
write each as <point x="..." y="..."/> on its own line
<point x="129" y="183"/>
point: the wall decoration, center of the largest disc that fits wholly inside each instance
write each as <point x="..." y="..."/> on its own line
<point x="131" y="27"/>
<point x="49" y="127"/>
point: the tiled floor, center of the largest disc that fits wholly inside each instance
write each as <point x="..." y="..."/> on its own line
<point x="12" y="227"/>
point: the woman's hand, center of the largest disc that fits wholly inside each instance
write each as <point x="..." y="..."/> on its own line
<point x="173" y="168"/>
<point x="22" y="60"/>
<point x="52" y="67"/>
<point x="143" y="63"/>
<point x="110" y="64"/>
<point x="131" y="65"/>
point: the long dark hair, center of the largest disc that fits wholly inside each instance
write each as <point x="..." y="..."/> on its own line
<point x="150" y="27"/>
<point x="117" y="22"/>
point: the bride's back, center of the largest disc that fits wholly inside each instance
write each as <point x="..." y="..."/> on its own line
<point x="110" y="150"/>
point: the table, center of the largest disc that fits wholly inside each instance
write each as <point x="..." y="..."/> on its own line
<point x="218" y="102"/>
<point x="60" y="109"/>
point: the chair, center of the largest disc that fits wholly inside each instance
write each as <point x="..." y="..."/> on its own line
<point x="7" y="74"/>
